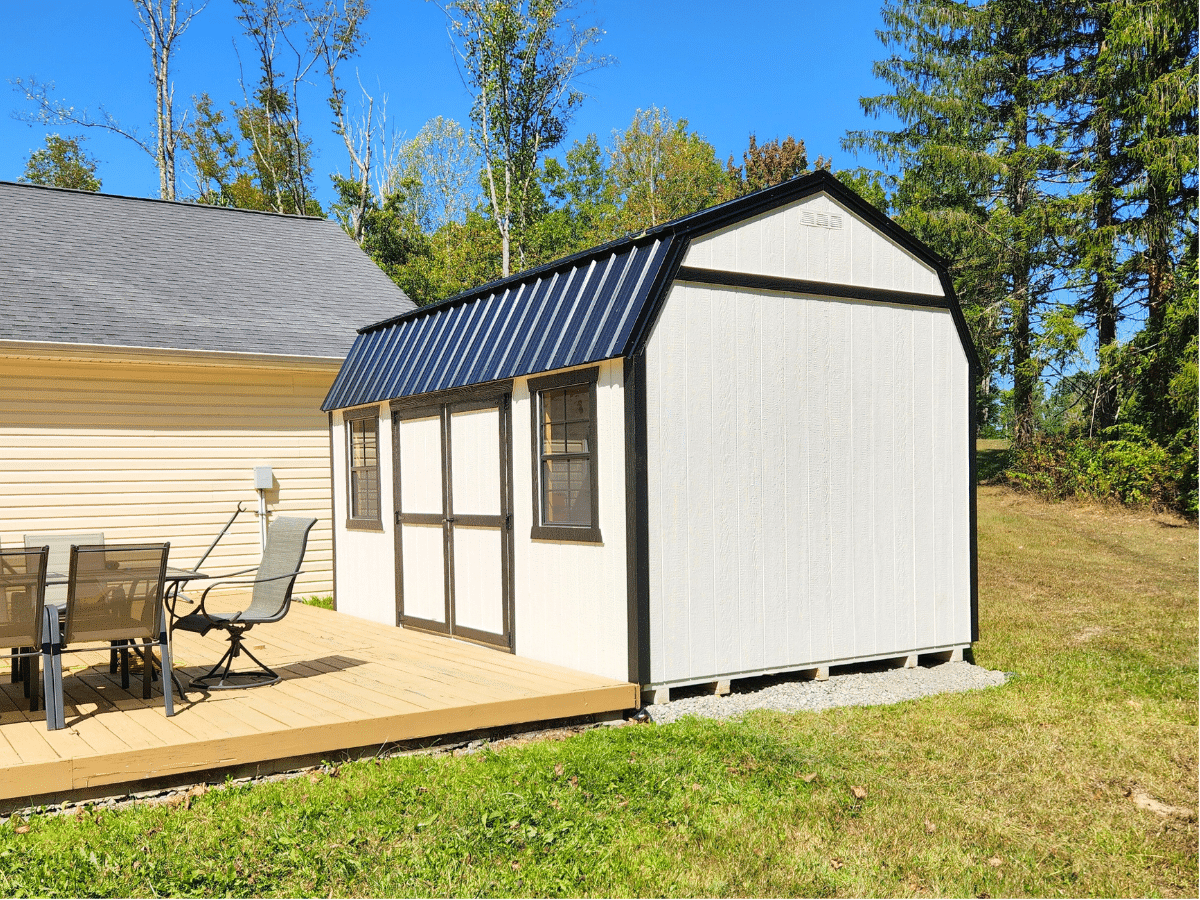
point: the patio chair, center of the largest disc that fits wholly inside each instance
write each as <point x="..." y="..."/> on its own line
<point x="59" y="562"/>
<point x="114" y="594"/>
<point x="23" y="617"/>
<point x="270" y="601"/>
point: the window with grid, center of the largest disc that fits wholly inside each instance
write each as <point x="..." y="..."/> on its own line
<point x="363" y="432"/>
<point x="566" y="457"/>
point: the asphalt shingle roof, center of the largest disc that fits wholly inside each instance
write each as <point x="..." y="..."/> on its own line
<point x="85" y="268"/>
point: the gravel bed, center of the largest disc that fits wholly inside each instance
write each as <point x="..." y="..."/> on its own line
<point x="857" y="688"/>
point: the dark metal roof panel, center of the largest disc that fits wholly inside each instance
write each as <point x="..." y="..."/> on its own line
<point x="554" y="318"/>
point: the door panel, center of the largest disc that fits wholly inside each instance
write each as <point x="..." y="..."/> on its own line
<point x="475" y="461"/>
<point x="421" y="465"/>
<point x="424" y="572"/>
<point x="453" y="502"/>
<point x="478" y="580"/>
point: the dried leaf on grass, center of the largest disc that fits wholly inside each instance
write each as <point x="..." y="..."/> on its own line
<point x="809" y="778"/>
<point x="860" y="793"/>
<point x="930" y="828"/>
<point x="994" y="862"/>
<point x="558" y="769"/>
<point x="22" y="829"/>
<point x="836" y="863"/>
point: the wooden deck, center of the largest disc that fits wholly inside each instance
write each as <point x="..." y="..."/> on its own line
<point x="347" y="684"/>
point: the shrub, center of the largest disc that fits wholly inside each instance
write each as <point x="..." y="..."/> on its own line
<point x="1131" y="470"/>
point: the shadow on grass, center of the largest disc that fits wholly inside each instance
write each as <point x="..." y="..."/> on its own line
<point x="991" y="459"/>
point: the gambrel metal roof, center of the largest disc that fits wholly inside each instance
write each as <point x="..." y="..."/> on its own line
<point x="593" y="306"/>
<point x="578" y="311"/>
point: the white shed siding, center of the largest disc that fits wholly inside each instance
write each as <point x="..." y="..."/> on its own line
<point x="366" y="560"/>
<point x="570" y="599"/>
<point x="808" y="496"/>
<point x="779" y="243"/>
<point x="154" y="446"/>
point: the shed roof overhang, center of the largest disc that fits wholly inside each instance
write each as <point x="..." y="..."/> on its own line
<point x="595" y="305"/>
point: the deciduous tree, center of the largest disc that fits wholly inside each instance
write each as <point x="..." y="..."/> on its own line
<point x="521" y="60"/>
<point x="63" y="163"/>
<point x="661" y="170"/>
<point x="162" y="24"/>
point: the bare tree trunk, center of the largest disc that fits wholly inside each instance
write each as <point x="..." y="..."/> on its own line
<point x="1103" y="291"/>
<point x="161" y="27"/>
<point x="1023" y="364"/>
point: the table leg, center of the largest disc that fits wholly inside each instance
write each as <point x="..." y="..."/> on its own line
<point x="171" y="597"/>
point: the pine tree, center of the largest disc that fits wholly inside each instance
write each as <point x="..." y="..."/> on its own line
<point x="972" y="87"/>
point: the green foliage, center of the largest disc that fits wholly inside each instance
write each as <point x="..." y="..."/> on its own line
<point x="1024" y="156"/>
<point x="388" y="234"/>
<point x="63" y="163"/>
<point x="520" y="59"/>
<point x="764" y="165"/>
<point x="1131" y="470"/>
<point x="579" y="211"/>
<point x="660" y="171"/>
<point x="263" y="166"/>
<point x="459" y="256"/>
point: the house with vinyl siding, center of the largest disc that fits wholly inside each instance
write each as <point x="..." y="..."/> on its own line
<point x="738" y="443"/>
<point x="153" y="353"/>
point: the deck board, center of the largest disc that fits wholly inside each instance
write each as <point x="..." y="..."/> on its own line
<point x="347" y="684"/>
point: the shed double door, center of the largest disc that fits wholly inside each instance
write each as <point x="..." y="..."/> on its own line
<point x="454" y="518"/>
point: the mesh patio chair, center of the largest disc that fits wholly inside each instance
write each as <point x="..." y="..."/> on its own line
<point x="270" y="601"/>
<point x="59" y="560"/>
<point x="59" y="563"/>
<point x="23" y="616"/>
<point x="115" y="595"/>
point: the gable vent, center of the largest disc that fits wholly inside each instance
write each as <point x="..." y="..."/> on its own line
<point x="820" y="219"/>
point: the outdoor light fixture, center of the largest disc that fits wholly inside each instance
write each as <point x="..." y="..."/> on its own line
<point x="264" y="480"/>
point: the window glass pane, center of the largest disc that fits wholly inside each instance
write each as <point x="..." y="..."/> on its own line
<point x="554" y="439"/>
<point x="577" y="436"/>
<point x="566" y="445"/>
<point x="577" y="405"/>
<point x="364" y="469"/>
<point x="552" y="406"/>
<point x="567" y="492"/>
<point x="363" y="443"/>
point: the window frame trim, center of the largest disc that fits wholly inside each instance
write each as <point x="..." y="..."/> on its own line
<point x="582" y="534"/>
<point x="353" y="522"/>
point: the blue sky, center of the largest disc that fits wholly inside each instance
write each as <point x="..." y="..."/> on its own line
<point x="775" y="68"/>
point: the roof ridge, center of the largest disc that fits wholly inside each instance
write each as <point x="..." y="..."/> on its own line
<point x="187" y="204"/>
<point x="815" y="180"/>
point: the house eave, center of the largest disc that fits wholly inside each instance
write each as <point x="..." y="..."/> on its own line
<point x="55" y="350"/>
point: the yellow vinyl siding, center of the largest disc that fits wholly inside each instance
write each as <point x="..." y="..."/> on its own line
<point x="146" y="450"/>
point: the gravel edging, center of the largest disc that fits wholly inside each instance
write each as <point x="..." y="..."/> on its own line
<point x="870" y="688"/>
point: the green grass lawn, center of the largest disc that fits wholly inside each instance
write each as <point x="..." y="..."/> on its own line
<point x="1029" y="788"/>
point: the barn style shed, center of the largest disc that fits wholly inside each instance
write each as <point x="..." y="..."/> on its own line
<point x="736" y="444"/>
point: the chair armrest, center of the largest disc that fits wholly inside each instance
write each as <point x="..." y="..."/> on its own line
<point x="243" y="581"/>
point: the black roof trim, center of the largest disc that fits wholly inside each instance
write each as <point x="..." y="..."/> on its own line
<point x="712" y="219"/>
